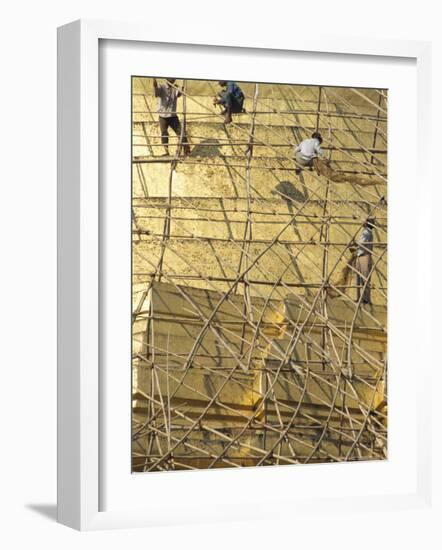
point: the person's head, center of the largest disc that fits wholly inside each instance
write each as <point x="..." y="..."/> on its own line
<point x="317" y="135"/>
<point x="222" y="83"/>
<point x="170" y="80"/>
<point x="370" y="222"/>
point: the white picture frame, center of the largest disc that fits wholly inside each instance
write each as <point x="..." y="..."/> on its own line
<point x="80" y="262"/>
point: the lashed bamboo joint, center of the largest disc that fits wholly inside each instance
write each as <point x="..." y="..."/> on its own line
<point x="250" y="346"/>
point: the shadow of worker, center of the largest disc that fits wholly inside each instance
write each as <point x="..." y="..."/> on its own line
<point x="206" y="148"/>
<point x="288" y="192"/>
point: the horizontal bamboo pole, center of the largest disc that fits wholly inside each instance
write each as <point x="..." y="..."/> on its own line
<point x="252" y="199"/>
<point x="253" y="240"/>
<point x="149" y="203"/>
<point x="233" y="143"/>
<point x="214" y="278"/>
<point x="331" y="114"/>
<point x="187" y="160"/>
<point x="182" y="319"/>
<point x="255" y="221"/>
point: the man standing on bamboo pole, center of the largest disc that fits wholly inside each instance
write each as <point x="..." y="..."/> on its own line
<point x="231" y="97"/>
<point x="363" y="263"/>
<point x="168" y="95"/>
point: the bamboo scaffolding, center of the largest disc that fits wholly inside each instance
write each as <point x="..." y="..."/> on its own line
<point x="339" y="432"/>
<point x="274" y="132"/>
<point x="335" y="288"/>
<point x="294" y="257"/>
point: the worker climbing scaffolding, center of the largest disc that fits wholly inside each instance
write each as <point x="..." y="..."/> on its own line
<point x="231" y="97"/>
<point x="359" y="265"/>
<point x="308" y="151"/>
<point x="308" y="154"/>
<point x="363" y="263"/>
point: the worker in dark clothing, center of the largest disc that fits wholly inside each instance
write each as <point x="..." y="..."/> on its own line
<point x="363" y="263"/>
<point x="231" y="97"/>
<point x="168" y="95"/>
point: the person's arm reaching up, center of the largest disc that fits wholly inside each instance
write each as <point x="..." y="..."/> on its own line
<point x="156" y="88"/>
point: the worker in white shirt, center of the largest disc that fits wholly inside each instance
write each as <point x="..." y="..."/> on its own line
<point x="308" y="154"/>
<point x="307" y="151"/>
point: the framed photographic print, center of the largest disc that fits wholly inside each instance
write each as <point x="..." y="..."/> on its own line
<point x="233" y="264"/>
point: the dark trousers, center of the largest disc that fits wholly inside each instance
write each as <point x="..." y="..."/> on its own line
<point x="363" y="267"/>
<point x="174" y="123"/>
